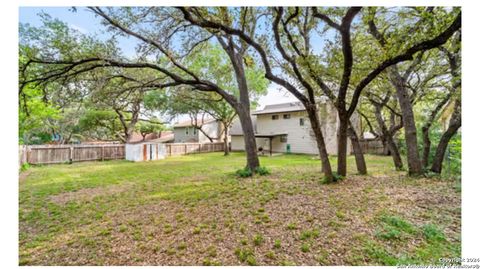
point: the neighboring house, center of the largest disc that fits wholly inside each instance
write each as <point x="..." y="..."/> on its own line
<point x="286" y="127"/>
<point x="186" y="131"/>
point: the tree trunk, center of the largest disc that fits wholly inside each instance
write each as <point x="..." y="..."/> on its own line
<point x="128" y="128"/>
<point x="428" y="124"/>
<point x="454" y="125"/>
<point x="249" y="137"/>
<point x="204" y="133"/>
<point x="322" y="150"/>
<point x="386" y="150"/>
<point x="426" y="146"/>
<point x="243" y="107"/>
<point x="387" y="135"/>
<point x="342" y="135"/>
<point x="413" y="158"/>
<point x="226" y="150"/>
<point x="357" y="151"/>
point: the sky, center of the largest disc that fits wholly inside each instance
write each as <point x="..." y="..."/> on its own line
<point x="85" y="22"/>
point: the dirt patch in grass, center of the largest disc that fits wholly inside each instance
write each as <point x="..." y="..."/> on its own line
<point x="89" y="194"/>
<point x="24" y="175"/>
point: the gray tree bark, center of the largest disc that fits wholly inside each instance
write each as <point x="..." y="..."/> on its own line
<point x="454" y="125"/>
<point x="413" y="158"/>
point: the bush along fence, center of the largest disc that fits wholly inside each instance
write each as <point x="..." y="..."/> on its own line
<point x="51" y="154"/>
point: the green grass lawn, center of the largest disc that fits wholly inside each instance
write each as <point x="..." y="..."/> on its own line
<point x="193" y="210"/>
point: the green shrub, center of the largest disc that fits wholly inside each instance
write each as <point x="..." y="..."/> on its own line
<point x="24" y="167"/>
<point x="336" y="178"/>
<point x="262" y="170"/>
<point x="245" y="172"/>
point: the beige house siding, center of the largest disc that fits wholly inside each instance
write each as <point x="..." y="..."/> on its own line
<point x="194" y="135"/>
<point x="182" y="137"/>
<point x="238" y="143"/>
<point x="212" y="129"/>
<point x="300" y="138"/>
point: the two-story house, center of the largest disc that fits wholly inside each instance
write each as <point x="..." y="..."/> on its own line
<point x="286" y="128"/>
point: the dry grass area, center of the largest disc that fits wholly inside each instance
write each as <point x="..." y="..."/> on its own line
<point x="193" y="210"/>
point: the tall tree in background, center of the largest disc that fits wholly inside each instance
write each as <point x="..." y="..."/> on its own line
<point x="406" y="52"/>
<point x="155" y="41"/>
<point x="379" y="110"/>
<point x="454" y="95"/>
<point x="202" y="18"/>
<point x="399" y="75"/>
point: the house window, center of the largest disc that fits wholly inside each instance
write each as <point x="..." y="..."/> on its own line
<point x="274" y="117"/>
<point x="302" y="121"/>
<point x="186" y="131"/>
<point x="194" y="130"/>
<point x="286" y="116"/>
<point x="283" y="139"/>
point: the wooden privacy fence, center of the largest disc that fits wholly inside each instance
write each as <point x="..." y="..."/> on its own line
<point x="175" y="149"/>
<point x="372" y="146"/>
<point x="48" y="154"/>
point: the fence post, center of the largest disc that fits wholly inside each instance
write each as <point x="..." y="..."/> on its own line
<point x="103" y="152"/>
<point x="28" y="154"/>
<point x="185" y="149"/>
<point x="71" y="155"/>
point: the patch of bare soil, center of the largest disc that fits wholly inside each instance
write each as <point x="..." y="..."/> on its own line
<point x="24" y="175"/>
<point x="88" y="193"/>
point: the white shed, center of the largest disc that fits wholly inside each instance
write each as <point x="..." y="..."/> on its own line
<point x="145" y="151"/>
